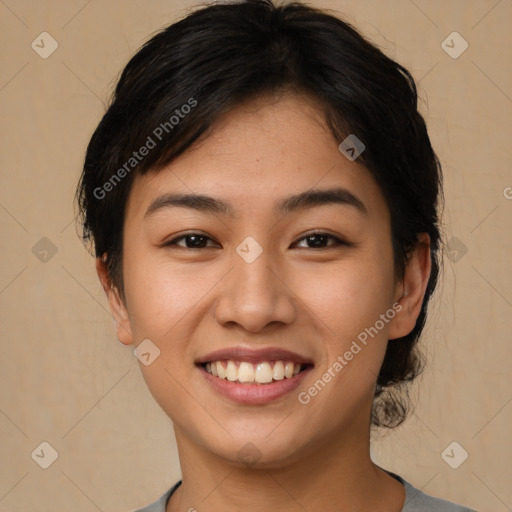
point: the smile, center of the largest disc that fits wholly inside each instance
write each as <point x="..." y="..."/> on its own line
<point x="244" y="372"/>
<point x="253" y="376"/>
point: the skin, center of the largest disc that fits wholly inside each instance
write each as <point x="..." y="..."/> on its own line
<point x="314" y="301"/>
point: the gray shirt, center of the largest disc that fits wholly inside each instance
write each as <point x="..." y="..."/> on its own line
<point x="415" y="501"/>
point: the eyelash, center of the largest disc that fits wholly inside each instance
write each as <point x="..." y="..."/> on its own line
<point x="315" y="233"/>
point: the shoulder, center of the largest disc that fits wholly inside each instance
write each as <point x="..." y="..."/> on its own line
<point x="160" y="504"/>
<point x="418" y="501"/>
<point x="415" y="500"/>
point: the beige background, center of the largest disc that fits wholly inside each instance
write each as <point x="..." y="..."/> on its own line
<point x="67" y="381"/>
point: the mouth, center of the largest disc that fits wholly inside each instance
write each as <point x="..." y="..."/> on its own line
<point x="254" y="376"/>
<point x="262" y="373"/>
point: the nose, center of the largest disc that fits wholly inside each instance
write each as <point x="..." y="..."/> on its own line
<point x="255" y="295"/>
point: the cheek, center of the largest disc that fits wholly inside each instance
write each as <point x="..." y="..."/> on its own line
<point x="349" y="300"/>
<point x="349" y="303"/>
<point x="346" y="296"/>
<point x="161" y="294"/>
<point x="164" y="302"/>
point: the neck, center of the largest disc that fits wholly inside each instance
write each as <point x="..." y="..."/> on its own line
<point x="336" y="475"/>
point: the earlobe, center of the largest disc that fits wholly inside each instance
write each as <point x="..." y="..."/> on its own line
<point x="116" y="304"/>
<point x="411" y="290"/>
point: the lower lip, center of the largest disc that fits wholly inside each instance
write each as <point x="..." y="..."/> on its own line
<point x="254" y="394"/>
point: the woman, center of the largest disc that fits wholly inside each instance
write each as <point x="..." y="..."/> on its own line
<point x="263" y="200"/>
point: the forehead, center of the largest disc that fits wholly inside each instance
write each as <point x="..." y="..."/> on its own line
<point x="257" y="154"/>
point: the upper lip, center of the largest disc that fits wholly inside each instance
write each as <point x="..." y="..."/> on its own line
<point x="253" y="356"/>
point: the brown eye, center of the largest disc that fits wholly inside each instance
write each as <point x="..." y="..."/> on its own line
<point x="192" y="241"/>
<point x="319" y="240"/>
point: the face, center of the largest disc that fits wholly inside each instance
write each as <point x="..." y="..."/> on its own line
<point x="275" y="276"/>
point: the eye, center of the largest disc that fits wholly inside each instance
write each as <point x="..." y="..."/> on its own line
<point x="318" y="240"/>
<point x="197" y="241"/>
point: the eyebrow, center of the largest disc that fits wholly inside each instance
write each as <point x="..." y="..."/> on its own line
<point x="293" y="203"/>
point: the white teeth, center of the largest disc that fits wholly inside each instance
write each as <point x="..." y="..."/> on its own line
<point x="246" y="372"/>
<point x="232" y="371"/>
<point x="288" y="370"/>
<point x="278" y="372"/>
<point x="262" y="373"/>
<point x="221" y="371"/>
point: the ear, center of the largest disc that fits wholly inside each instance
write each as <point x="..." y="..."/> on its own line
<point x="117" y="306"/>
<point x="411" y="289"/>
